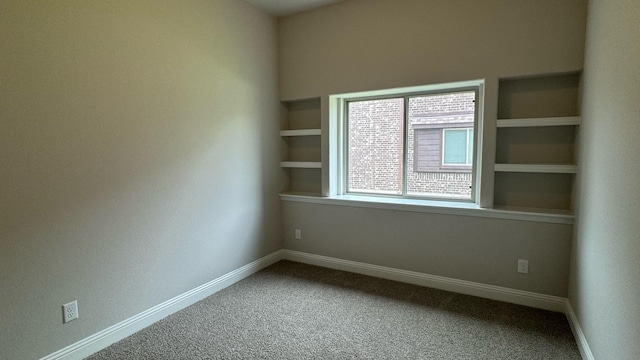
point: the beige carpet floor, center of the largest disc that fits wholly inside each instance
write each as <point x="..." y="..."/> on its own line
<point x="296" y="311"/>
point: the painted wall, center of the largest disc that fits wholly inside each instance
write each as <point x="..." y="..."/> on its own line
<point x="605" y="275"/>
<point x="371" y="44"/>
<point x="460" y="247"/>
<point x="137" y="158"/>
<point x="360" y="45"/>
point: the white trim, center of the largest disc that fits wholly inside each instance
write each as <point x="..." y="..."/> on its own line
<point x="520" y="297"/>
<point x="531" y="122"/>
<point x="301" y="132"/>
<point x="338" y="173"/>
<point x="537" y="168"/>
<point x="433" y="207"/>
<point x="581" y="340"/>
<point x="121" y="330"/>
<point x="411" y="89"/>
<point x="301" y="164"/>
<point x="303" y="194"/>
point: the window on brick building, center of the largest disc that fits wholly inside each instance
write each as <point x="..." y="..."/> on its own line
<point x="457" y="147"/>
<point x="412" y="145"/>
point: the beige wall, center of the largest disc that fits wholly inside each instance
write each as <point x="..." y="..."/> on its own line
<point x="605" y="275"/>
<point x="371" y="44"/>
<point x="137" y="158"/>
<point x="460" y="247"/>
<point x="377" y="44"/>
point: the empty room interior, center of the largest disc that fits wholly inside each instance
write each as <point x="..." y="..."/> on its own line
<point x="156" y="152"/>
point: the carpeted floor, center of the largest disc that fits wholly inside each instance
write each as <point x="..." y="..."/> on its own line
<point x="297" y="311"/>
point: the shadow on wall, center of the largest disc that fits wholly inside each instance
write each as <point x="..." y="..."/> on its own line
<point x="133" y="158"/>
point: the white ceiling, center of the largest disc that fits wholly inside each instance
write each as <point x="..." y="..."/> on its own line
<point x="288" y="7"/>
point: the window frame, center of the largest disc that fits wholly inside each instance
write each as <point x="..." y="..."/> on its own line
<point x="343" y="143"/>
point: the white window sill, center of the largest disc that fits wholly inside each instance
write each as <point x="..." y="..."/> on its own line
<point x="434" y="207"/>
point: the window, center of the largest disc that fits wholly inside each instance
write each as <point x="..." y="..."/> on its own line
<point x="415" y="145"/>
<point x="457" y="147"/>
<point x="375" y="152"/>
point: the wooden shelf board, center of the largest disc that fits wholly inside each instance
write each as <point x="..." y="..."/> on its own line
<point x="553" y="212"/>
<point x="536" y="168"/>
<point x="301" y="164"/>
<point x="531" y="122"/>
<point x="300" y="194"/>
<point x="301" y="132"/>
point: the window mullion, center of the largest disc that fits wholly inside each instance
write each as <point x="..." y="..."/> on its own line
<point x="405" y="150"/>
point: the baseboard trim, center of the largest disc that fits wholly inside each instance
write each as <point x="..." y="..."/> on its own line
<point x="531" y="299"/>
<point x="121" y="330"/>
<point x="581" y="340"/>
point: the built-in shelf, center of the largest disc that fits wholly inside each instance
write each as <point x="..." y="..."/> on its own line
<point x="535" y="158"/>
<point x="545" y="121"/>
<point x="565" y="214"/>
<point x="536" y="168"/>
<point x="301" y="140"/>
<point x="299" y="194"/>
<point x="303" y="132"/>
<point x="301" y="164"/>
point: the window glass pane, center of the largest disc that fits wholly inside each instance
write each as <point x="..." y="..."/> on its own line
<point x="455" y="147"/>
<point x="428" y="116"/>
<point x="375" y="146"/>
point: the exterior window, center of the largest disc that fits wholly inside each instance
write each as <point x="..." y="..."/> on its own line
<point x="457" y="147"/>
<point x="376" y="146"/>
<point x="414" y="145"/>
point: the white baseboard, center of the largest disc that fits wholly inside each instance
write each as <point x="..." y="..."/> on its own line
<point x="121" y="330"/>
<point x="581" y="340"/>
<point x="531" y="299"/>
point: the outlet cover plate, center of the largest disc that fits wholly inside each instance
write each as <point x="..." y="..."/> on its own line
<point x="523" y="266"/>
<point x="70" y="311"/>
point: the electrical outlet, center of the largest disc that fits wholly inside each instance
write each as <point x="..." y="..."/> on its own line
<point x="70" y="311"/>
<point x="523" y="266"/>
<point x="298" y="234"/>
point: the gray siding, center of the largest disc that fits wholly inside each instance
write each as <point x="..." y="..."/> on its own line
<point x="428" y="149"/>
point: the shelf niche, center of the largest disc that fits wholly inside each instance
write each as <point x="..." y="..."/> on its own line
<point x="533" y="191"/>
<point x="306" y="181"/>
<point x="536" y="145"/>
<point x="538" y="97"/>
<point x="301" y="146"/>
<point x="535" y="142"/>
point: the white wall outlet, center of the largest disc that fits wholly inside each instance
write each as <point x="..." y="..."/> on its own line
<point x="298" y="234"/>
<point x="523" y="266"/>
<point x="70" y="311"/>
